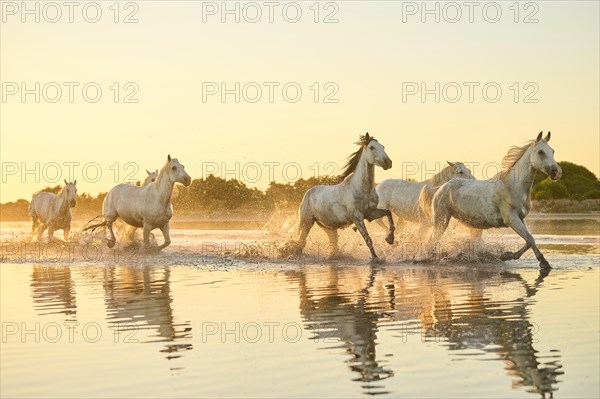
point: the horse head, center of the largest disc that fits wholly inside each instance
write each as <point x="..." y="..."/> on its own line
<point x="458" y="169"/>
<point x="176" y="172"/>
<point x="375" y="152"/>
<point x="151" y="178"/>
<point x="542" y="157"/>
<point x="71" y="192"/>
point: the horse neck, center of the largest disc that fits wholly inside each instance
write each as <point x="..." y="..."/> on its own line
<point x="164" y="186"/>
<point x="364" y="175"/>
<point x="62" y="200"/>
<point x="439" y="178"/>
<point x="521" y="174"/>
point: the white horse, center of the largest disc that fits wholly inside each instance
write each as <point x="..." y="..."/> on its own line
<point x="53" y="211"/>
<point x="349" y="202"/>
<point x="404" y="197"/>
<point x="502" y="201"/>
<point x="151" y="178"/>
<point x="147" y="206"/>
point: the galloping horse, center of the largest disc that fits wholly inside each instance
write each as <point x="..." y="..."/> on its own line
<point x="147" y="206"/>
<point x="402" y="197"/>
<point x="53" y="211"/>
<point x="349" y="202"/>
<point x="502" y="201"/>
<point x="151" y="178"/>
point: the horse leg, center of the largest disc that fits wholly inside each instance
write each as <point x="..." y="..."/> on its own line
<point x="332" y="234"/>
<point x="362" y="229"/>
<point x="111" y="239"/>
<point x="34" y="227"/>
<point x="378" y="214"/>
<point x="147" y="231"/>
<point x="51" y="231"/>
<point x="441" y="219"/>
<point x="517" y="224"/>
<point x="516" y="254"/>
<point x="304" y="228"/>
<point x="41" y="227"/>
<point x="165" y="233"/>
<point x="66" y="232"/>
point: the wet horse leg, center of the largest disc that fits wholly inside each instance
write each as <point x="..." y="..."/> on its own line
<point x="441" y="219"/>
<point x="332" y="234"/>
<point x="166" y="236"/>
<point x="362" y="229"/>
<point x="518" y="225"/>
<point x="304" y="228"/>
<point x="41" y="227"/>
<point x="36" y="222"/>
<point x="373" y="214"/>
<point x="111" y="239"/>
<point x="147" y="231"/>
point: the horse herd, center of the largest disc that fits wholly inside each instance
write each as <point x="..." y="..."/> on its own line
<point x="502" y="201"/>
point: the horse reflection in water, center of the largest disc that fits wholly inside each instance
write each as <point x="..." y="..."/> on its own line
<point x="342" y="315"/>
<point x="53" y="290"/>
<point x="502" y="325"/>
<point x="482" y="310"/>
<point x="139" y="298"/>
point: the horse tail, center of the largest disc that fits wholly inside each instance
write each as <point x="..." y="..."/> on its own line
<point x="426" y="202"/>
<point x="93" y="227"/>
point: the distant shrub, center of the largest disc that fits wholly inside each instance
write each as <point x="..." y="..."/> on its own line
<point x="543" y="195"/>
<point x="592" y="194"/>
<point x="577" y="183"/>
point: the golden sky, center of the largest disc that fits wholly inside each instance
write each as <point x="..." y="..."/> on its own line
<point x="367" y="61"/>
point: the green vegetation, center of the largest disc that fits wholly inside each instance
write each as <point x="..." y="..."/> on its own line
<point x="577" y="183"/>
<point x="216" y="194"/>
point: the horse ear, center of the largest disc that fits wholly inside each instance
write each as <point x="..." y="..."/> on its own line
<point x="547" y="137"/>
<point x="539" y="137"/>
<point x="147" y="171"/>
<point x="75" y="182"/>
<point x="66" y="181"/>
<point x="450" y="163"/>
<point x="169" y="158"/>
<point x="367" y="136"/>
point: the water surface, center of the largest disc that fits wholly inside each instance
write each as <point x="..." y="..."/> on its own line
<point x="178" y="324"/>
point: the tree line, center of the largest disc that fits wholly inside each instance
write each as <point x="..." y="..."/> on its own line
<point x="577" y="183"/>
<point x="216" y="194"/>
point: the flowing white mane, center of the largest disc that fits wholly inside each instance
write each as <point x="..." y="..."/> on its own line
<point x="512" y="157"/>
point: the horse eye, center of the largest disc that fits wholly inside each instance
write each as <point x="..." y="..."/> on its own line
<point x="541" y="152"/>
<point x="173" y="167"/>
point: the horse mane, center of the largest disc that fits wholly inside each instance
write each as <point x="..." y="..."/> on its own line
<point x="512" y="157"/>
<point x="352" y="160"/>
<point x="438" y="179"/>
<point x="161" y="172"/>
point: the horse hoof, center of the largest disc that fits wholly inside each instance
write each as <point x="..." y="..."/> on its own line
<point x="506" y="256"/>
<point x="389" y="239"/>
<point x="545" y="265"/>
<point x="111" y="243"/>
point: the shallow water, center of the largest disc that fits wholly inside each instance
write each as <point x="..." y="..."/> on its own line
<point x="220" y="313"/>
